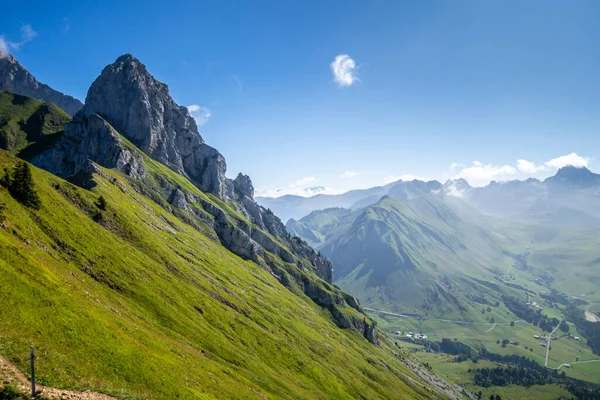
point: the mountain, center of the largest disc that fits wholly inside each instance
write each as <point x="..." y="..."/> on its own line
<point x="413" y="255"/>
<point x="290" y="206"/>
<point x="164" y="279"/>
<point x="574" y="177"/>
<point x="16" y="79"/>
<point x="27" y="126"/>
<point x="570" y="197"/>
<point x="315" y="227"/>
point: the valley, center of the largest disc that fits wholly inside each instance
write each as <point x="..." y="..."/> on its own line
<point x="431" y="263"/>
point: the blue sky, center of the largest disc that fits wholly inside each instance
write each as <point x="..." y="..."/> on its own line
<point x="439" y="89"/>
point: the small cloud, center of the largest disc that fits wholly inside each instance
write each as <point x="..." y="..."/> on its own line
<point x="66" y="25"/>
<point x="344" y="70"/>
<point x="570" y="159"/>
<point x="529" y="167"/>
<point x="304" y="187"/>
<point x="404" y="178"/>
<point x="304" y="181"/>
<point x="455" y="165"/>
<point x="27" y="35"/>
<point x="480" y="174"/>
<point x="200" y="114"/>
<point x="3" y="47"/>
<point x="349" y="174"/>
<point x="237" y="83"/>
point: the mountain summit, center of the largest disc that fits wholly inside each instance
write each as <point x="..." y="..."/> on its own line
<point x="579" y="177"/>
<point x="16" y="79"/>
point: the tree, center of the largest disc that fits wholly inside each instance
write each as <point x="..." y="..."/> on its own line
<point x="20" y="185"/>
<point x="101" y="204"/>
<point x="564" y="326"/>
<point x="2" y="209"/>
<point x="512" y="323"/>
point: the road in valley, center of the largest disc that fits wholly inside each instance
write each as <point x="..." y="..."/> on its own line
<point x="443" y="320"/>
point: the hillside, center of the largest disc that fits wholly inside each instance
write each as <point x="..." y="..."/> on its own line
<point x="165" y="310"/>
<point x="415" y="255"/>
<point x="156" y="276"/>
<point x="27" y="126"/>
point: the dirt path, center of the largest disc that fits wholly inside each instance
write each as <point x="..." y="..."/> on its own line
<point x="10" y="374"/>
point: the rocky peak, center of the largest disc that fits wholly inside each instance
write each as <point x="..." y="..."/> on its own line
<point x="243" y="185"/>
<point x="574" y="176"/>
<point x="140" y="108"/>
<point x="16" y="79"/>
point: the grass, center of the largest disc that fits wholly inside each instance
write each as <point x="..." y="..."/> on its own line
<point x="27" y="125"/>
<point x="458" y="372"/>
<point x="133" y="302"/>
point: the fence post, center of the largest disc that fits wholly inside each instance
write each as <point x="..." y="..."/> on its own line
<point x="32" y="356"/>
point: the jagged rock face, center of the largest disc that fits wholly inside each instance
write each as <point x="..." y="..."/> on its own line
<point x="89" y="139"/>
<point x="243" y="185"/>
<point x="141" y="109"/>
<point x="16" y="79"/>
<point x="125" y="99"/>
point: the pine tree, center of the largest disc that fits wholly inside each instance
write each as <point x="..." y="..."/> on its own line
<point x="101" y="204"/>
<point x="21" y="186"/>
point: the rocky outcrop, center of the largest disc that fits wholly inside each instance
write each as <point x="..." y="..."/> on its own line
<point x="243" y="185"/>
<point x="16" y="79"/>
<point x="141" y="109"/>
<point x="89" y="139"/>
<point x="125" y="101"/>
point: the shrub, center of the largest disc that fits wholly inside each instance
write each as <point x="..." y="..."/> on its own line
<point x="10" y="392"/>
<point x="101" y="204"/>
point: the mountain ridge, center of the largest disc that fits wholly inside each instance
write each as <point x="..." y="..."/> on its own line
<point x="17" y="79"/>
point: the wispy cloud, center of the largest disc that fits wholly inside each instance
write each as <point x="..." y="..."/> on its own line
<point x="66" y="25"/>
<point x="200" y="114"/>
<point x="305" y="181"/>
<point x="344" y="70"/>
<point x="349" y="174"/>
<point x="237" y="83"/>
<point x="3" y="47"/>
<point x="27" y="35"/>
<point x="305" y="187"/>
<point x="480" y="174"/>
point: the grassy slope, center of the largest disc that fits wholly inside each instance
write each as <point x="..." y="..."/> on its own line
<point x="25" y="122"/>
<point x="567" y="255"/>
<point x="145" y="306"/>
<point x="415" y="256"/>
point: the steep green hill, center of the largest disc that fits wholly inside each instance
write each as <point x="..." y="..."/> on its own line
<point x="142" y="301"/>
<point x="27" y="126"/>
<point x="415" y="256"/>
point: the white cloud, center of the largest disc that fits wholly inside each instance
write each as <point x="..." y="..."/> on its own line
<point x="405" y="178"/>
<point x="200" y="114"/>
<point x="349" y="174"/>
<point x="570" y="159"/>
<point x="480" y="174"/>
<point x="27" y="35"/>
<point x="304" y="187"/>
<point x="305" y="181"/>
<point x="529" y="167"/>
<point x="344" y="70"/>
<point x="3" y="47"/>
<point x="455" y="165"/>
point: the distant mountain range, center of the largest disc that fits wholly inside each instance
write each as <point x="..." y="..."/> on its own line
<point x="571" y="197"/>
